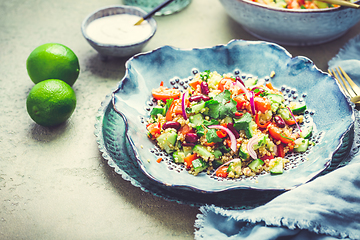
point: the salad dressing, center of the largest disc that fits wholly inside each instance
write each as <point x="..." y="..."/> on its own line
<point x="118" y="30"/>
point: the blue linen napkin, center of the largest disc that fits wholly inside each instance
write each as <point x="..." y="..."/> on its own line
<point x="326" y="208"/>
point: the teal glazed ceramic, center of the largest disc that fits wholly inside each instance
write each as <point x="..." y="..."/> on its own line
<point x="328" y="109"/>
<point x="117" y="50"/>
<point x="297" y="27"/>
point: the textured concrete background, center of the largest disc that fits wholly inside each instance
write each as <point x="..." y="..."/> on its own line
<point x="54" y="183"/>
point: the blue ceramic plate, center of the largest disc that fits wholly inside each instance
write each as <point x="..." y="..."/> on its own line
<point x="328" y="110"/>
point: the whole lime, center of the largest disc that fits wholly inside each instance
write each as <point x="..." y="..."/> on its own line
<point x="51" y="102"/>
<point x="53" y="61"/>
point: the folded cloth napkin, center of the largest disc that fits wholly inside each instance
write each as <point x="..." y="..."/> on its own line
<point x="325" y="208"/>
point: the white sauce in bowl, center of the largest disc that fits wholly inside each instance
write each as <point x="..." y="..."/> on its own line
<point x="118" y="30"/>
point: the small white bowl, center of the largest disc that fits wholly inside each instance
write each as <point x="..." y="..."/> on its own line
<point x="117" y="50"/>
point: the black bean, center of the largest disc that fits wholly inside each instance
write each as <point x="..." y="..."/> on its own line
<point x="171" y="124"/>
<point x="279" y="121"/>
<point x="191" y="137"/>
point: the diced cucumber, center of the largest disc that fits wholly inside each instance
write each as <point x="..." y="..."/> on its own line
<point x="250" y="131"/>
<point x="199" y="165"/>
<point x="278" y="168"/>
<point x="167" y="141"/>
<point x="250" y="82"/>
<point x="196" y="119"/>
<point x="235" y="167"/>
<point x="178" y="156"/>
<point x="256" y="164"/>
<point x="307" y="132"/>
<point x="198" y="107"/>
<point x="274" y="106"/>
<point x="303" y="146"/>
<point x="298" y="108"/>
<point x="157" y="110"/>
<point x="277" y="98"/>
<point x="202" y="151"/>
<point x="243" y="154"/>
<point x="284" y="113"/>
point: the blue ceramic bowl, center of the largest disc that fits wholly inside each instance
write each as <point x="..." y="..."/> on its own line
<point x="329" y="110"/>
<point x="297" y="27"/>
<point x="117" y="50"/>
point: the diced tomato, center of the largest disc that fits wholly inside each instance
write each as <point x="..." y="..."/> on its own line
<point x="154" y="129"/>
<point x="174" y="108"/>
<point x="265" y="157"/>
<point x="194" y="84"/>
<point x="222" y="172"/>
<point x="225" y="83"/>
<point x="270" y="86"/>
<point x="209" y="144"/>
<point x="240" y="101"/>
<point x="277" y="134"/>
<point x="262" y="104"/>
<point x="280" y="150"/>
<point x="228" y="143"/>
<point x="188" y="160"/>
<point x="164" y="93"/>
<point x="291" y="121"/>
<point x="221" y="133"/>
<point x="185" y="129"/>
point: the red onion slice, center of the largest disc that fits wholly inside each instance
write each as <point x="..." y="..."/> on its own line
<point x="294" y="119"/>
<point x="250" y="147"/>
<point x="183" y="105"/>
<point x="252" y="102"/>
<point x="231" y="135"/>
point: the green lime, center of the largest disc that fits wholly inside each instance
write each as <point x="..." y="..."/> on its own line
<point x="53" y="61"/>
<point x="51" y="102"/>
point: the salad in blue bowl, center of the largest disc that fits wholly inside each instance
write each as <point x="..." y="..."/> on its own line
<point x="241" y="116"/>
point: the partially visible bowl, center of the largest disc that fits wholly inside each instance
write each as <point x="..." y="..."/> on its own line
<point x="295" y="27"/>
<point x="115" y="49"/>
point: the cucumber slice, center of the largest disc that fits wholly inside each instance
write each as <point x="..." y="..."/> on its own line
<point x="298" y="108"/>
<point x="235" y="167"/>
<point x="307" y="132"/>
<point x="167" y="141"/>
<point x="202" y="151"/>
<point x="178" y="156"/>
<point x="303" y="146"/>
<point x="256" y="165"/>
<point x="250" y="82"/>
<point x="197" y="119"/>
<point x="199" y="165"/>
<point x="198" y="107"/>
<point x="278" y="168"/>
<point x="277" y="98"/>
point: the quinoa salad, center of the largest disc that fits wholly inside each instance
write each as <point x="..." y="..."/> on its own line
<point x="227" y="127"/>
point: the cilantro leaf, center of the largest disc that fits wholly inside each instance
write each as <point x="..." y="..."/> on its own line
<point x="211" y="136"/>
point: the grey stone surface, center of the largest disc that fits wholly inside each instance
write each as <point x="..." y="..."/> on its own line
<point x="54" y="183"/>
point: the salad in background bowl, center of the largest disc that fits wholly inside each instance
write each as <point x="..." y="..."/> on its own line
<point x="297" y="77"/>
